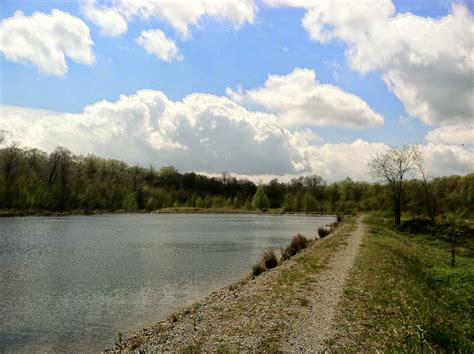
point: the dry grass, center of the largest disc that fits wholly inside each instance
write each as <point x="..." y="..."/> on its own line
<point x="323" y="232"/>
<point x="258" y="268"/>
<point x="269" y="259"/>
<point x="298" y="243"/>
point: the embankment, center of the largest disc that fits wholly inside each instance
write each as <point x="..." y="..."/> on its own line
<point x="264" y="313"/>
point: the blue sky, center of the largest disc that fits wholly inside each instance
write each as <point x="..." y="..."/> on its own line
<point x="217" y="56"/>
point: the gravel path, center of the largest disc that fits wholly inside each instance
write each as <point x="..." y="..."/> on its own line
<point x="316" y="327"/>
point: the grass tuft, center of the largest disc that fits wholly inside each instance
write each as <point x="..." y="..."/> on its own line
<point x="258" y="268"/>
<point x="269" y="259"/>
<point x="323" y="232"/>
<point x="298" y="243"/>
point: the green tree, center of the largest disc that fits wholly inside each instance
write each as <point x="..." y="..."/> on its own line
<point x="260" y="199"/>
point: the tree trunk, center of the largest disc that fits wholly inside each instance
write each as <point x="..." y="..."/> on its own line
<point x="397" y="215"/>
<point x="397" y="209"/>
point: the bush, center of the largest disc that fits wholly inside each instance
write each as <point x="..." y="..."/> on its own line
<point x="269" y="259"/>
<point x="297" y="243"/>
<point x="323" y="232"/>
<point x="415" y="226"/>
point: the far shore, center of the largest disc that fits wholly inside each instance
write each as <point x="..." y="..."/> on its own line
<point x="177" y="210"/>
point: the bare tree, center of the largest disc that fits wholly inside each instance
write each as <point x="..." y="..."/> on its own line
<point x="392" y="166"/>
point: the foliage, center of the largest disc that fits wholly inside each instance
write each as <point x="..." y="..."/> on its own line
<point x="32" y="181"/>
<point x="119" y="341"/>
<point x="260" y="199"/>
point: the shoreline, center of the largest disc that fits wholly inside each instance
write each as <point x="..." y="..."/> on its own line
<point x="80" y="212"/>
<point x="254" y="313"/>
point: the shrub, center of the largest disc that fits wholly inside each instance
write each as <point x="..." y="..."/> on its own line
<point x="297" y="243"/>
<point x="415" y="226"/>
<point x="269" y="259"/>
<point x="323" y="232"/>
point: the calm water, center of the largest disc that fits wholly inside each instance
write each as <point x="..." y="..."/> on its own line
<point x="71" y="283"/>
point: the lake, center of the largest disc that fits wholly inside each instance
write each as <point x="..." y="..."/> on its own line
<point x="71" y="283"/>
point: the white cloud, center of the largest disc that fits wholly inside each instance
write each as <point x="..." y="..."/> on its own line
<point x="200" y="132"/>
<point x="180" y="14"/>
<point x="452" y="134"/>
<point x="155" y="42"/>
<point x="46" y="40"/>
<point x="207" y="133"/>
<point x="299" y="99"/>
<point x="428" y="63"/>
<point x="441" y="159"/>
<point x="109" y="20"/>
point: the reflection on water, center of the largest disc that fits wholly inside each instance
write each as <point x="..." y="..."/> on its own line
<point x="72" y="283"/>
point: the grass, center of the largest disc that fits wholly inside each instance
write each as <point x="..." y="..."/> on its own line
<point x="309" y="264"/>
<point x="323" y="232"/>
<point x="298" y="243"/>
<point x="405" y="296"/>
<point x="257" y="269"/>
<point x="268" y="261"/>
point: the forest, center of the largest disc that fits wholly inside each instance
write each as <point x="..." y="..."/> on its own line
<point x="33" y="181"/>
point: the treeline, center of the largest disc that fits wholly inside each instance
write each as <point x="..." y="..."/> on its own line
<point x="32" y="180"/>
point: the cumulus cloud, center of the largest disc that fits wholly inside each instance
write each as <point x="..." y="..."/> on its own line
<point x="46" y="40"/>
<point x="336" y="161"/>
<point x="299" y="99"/>
<point x="201" y="132"/>
<point x="178" y="14"/>
<point x="442" y="159"/>
<point x="109" y="20"/>
<point x="155" y="42"/>
<point x="452" y="134"/>
<point x="207" y="133"/>
<point x="428" y="63"/>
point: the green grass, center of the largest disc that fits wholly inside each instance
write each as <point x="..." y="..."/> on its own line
<point x="405" y="296"/>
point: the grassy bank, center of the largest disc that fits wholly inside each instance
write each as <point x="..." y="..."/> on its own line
<point x="405" y="296"/>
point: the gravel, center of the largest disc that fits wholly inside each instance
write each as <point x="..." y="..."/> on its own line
<point x="316" y="326"/>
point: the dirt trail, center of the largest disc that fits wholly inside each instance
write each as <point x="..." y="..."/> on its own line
<point x="316" y="328"/>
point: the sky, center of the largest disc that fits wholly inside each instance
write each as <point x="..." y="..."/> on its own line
<point x="259" y="88"/>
